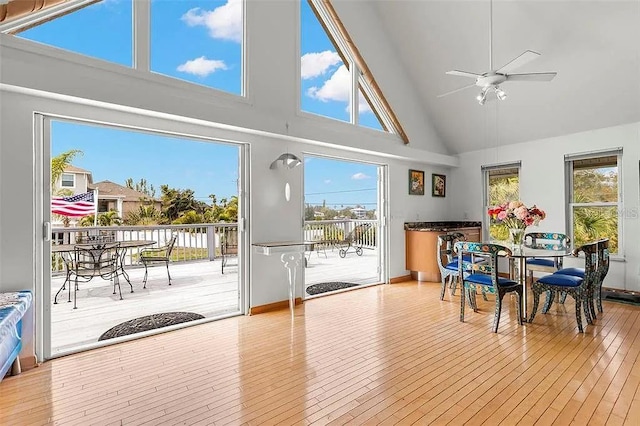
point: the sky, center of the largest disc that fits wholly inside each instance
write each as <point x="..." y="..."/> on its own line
<point x="201" y="42"/>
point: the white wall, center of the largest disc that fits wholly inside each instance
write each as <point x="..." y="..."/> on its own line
<point x="542" y="183"/>
<point x="91" y="89"/>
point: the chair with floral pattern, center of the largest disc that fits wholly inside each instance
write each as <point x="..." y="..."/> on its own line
<point x="545" y="241"/>
<point x="580" y="288"/>
<point x="485" y="275"/>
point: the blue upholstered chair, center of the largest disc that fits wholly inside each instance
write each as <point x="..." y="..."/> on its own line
<point x="448" y="262"/>
<point x="603" y="269"/>
<point x="580" y="288"/>
<point x="545" y="241"/>
<point x="485" y="275"/>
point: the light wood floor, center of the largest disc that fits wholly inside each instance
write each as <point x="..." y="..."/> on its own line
<point x="389" y="354"/>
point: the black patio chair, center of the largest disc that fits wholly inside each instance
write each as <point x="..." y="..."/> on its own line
<point x="354" y="240"/>
<point x="95" y="260"/>
<point x="151" y="256"/>
<point x="228" y="245"/>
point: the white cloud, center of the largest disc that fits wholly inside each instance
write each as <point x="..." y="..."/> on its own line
<point x="202" y="66"/>
<point x="360" y="176"/>
<point x="224" y="22"/>
<point x="338" y="88"/>
<point x="315" y="64"/>
<point x="327" y="181"/>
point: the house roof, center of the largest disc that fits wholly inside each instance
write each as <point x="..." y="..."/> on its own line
<point x="74" y="169"/>
<point x="107" y="189"/>
<point x="594" y="46"/>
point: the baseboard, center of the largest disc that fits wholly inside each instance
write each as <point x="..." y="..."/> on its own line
<point x="402" y="279"/>
<point x="28" y="362"/>
<point x="270" y="307"/>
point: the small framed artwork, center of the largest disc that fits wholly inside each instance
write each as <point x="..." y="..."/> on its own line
<point x="416" y="182"/>
<point x="438" y="185"/>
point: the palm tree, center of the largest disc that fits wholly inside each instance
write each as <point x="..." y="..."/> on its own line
<point x="60" y="162"/>
<point x="58" y="165"/>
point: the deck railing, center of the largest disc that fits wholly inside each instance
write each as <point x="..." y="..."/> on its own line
<point x="195" y="242"/>
<point x="202" y="241"/>
<point x="359" y="231"/>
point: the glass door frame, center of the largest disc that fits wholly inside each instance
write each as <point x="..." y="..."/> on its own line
<point x="42" y="223"/>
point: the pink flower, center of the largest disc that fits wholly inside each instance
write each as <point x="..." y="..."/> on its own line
<point x="521" y="212"/>
<point x="502" y="215"/>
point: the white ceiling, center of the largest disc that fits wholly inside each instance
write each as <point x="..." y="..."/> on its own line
<point x="593" y="45"/>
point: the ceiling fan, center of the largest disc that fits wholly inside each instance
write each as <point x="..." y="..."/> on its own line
<point x="490" y="81"/>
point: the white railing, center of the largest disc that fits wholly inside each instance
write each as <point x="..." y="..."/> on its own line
<point x="195" y="242"/>
<point x="202" y="241"/>
<point x="361" y="232"/>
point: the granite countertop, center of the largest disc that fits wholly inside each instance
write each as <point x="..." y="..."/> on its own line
<point x="442" y="225"/>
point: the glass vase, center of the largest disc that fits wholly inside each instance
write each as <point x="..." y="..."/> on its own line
<point x="517" y="237"/>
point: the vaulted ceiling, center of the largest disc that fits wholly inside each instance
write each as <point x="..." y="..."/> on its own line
<point x="593" y="45"/>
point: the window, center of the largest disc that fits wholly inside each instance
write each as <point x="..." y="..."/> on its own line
<point x="594" y="197"/>
<point x="335" y="81"/>
<point x="502" y="184"/>
<point x="199" y="41"/>
<point x="102" y="30"/>
<point x="68" y="180"/>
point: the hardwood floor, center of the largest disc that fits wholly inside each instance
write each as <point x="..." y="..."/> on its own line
<point x="390" y="354"/>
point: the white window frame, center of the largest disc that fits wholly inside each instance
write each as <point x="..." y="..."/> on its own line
<point x="141" y="49"/>
<point x="486" y="174"/>
<point x="570" y="205"/>
<point x="357" y="78"/>
<point x="73" y="180"/>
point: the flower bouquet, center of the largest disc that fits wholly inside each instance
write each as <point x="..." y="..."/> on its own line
<point x="516" y="216"/>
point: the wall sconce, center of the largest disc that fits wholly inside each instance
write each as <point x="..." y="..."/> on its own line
<point x="288" y="160"/>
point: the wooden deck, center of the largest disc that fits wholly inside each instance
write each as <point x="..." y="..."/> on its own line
<point x="198" y="286"/>
<point x="388" y="354"/>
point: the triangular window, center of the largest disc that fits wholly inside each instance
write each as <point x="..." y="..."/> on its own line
<point x="328" y="86"/>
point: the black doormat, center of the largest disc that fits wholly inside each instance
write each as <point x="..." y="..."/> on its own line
<point x="149" y="322"/>
<point x="325" y="287"/>
<point x="631" y="298"/>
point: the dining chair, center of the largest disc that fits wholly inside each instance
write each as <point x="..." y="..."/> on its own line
<point x="448" y="262"/>
<point x="545" y="241"/>
<point x="603" y="269"/>
<point x="95" y="260"/>
<point x="578" y="287"/>
<point x="485" y="274"/>
<point x="151" y="256"/>
<point x="228" y="245"/>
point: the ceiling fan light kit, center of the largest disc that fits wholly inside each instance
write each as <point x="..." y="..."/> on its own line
<point x="490" y="81"/>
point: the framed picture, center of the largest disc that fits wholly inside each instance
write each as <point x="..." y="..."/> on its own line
<point x="438" y="185"/>
<point x="416" y="182"/>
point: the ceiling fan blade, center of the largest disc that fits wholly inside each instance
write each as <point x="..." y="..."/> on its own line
<point x="527" y="56"/>
<point x="463" y="74"/>
<point x="532" y="76"/>
<point x="457" y="90"/>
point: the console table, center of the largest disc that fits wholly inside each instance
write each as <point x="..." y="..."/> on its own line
<point x="291" y="255"/>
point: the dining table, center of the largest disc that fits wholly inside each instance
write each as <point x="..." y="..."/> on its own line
<point x="66" y="249"/>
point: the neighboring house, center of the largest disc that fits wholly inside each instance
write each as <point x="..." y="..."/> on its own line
<point x="359" y="213"/>
<point x="318" y="215"/>
<point x="122" y="199"/>
<point x="111" y="196"/>
<point x="73" y="180"/>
